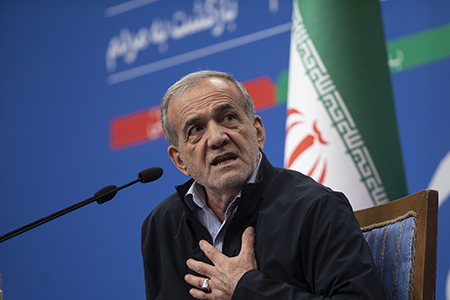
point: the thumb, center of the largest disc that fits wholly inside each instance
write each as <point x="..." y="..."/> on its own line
<point x="248" y="241"/>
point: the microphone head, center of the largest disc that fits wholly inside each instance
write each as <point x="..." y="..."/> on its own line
<point x="150" y="174"/>
<point x="106" y="193"/>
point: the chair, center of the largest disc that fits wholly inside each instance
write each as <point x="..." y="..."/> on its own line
<point x="402" y="236"/>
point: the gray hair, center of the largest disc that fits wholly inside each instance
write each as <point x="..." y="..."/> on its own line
<point x="190" y="81"/>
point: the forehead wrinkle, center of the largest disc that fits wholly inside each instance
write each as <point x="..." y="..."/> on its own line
<point x="222" y="107"/>
<point x="215" y="110"/>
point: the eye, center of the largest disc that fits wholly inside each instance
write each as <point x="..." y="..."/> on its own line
<point x="229" y="117"/>
<point x="195" y="129"/>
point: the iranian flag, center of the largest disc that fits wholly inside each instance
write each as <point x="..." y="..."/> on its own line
<point x="341" y="126"/>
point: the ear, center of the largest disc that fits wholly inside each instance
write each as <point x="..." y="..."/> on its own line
<point x="260" y="132"/>
<point x="177" y="160"/>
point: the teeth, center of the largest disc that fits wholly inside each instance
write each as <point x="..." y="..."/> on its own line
<point x="224" y="162"/>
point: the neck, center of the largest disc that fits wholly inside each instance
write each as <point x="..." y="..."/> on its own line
<point x="219" y="202"/>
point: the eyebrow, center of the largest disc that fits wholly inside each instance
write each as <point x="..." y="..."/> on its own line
<point x="223" y="107"/>
<point x="216" y="110"/>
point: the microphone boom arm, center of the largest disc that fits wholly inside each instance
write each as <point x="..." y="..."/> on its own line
<point x="101" y="196"/>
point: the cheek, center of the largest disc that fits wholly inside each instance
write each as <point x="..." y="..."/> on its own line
<point x="248" y="142"/>
<point x="192" y="155"/>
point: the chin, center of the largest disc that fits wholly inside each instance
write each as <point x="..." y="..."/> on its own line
<point x="233" y="181"/>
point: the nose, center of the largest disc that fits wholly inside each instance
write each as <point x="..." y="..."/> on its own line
<point x="217" y="137"/>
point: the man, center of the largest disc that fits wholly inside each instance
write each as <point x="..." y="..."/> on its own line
<point x="241" y="228"/>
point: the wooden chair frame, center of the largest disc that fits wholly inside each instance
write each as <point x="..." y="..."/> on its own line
<point x="425" y="204"/>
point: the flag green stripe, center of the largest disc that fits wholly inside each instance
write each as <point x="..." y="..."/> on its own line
<point x="348" y="36"/>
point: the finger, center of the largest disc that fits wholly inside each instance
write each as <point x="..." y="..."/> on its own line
<point x="212" y="253"/>
<point x="199" y="294"/>
<point x="248" y="241"/>
<point x="194" y="280"/>
<point x="200" y="267"/>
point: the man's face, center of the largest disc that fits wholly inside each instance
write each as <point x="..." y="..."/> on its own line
<point x="218" y="145"/>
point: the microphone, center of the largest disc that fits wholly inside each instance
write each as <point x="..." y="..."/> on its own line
<point x="150" y="174"/>
<point x="108" y="192"/>
<point x="101" y="196"/>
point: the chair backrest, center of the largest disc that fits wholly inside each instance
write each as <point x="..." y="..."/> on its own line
<point x="402" y="236"/>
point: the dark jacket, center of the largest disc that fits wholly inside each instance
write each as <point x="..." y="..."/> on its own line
<point x="308" y="243"/>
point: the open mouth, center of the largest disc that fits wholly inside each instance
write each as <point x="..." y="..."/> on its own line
<point x="222" y="160"/>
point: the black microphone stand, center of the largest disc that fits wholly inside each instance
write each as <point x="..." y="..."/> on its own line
<point x="101" y="196"/>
